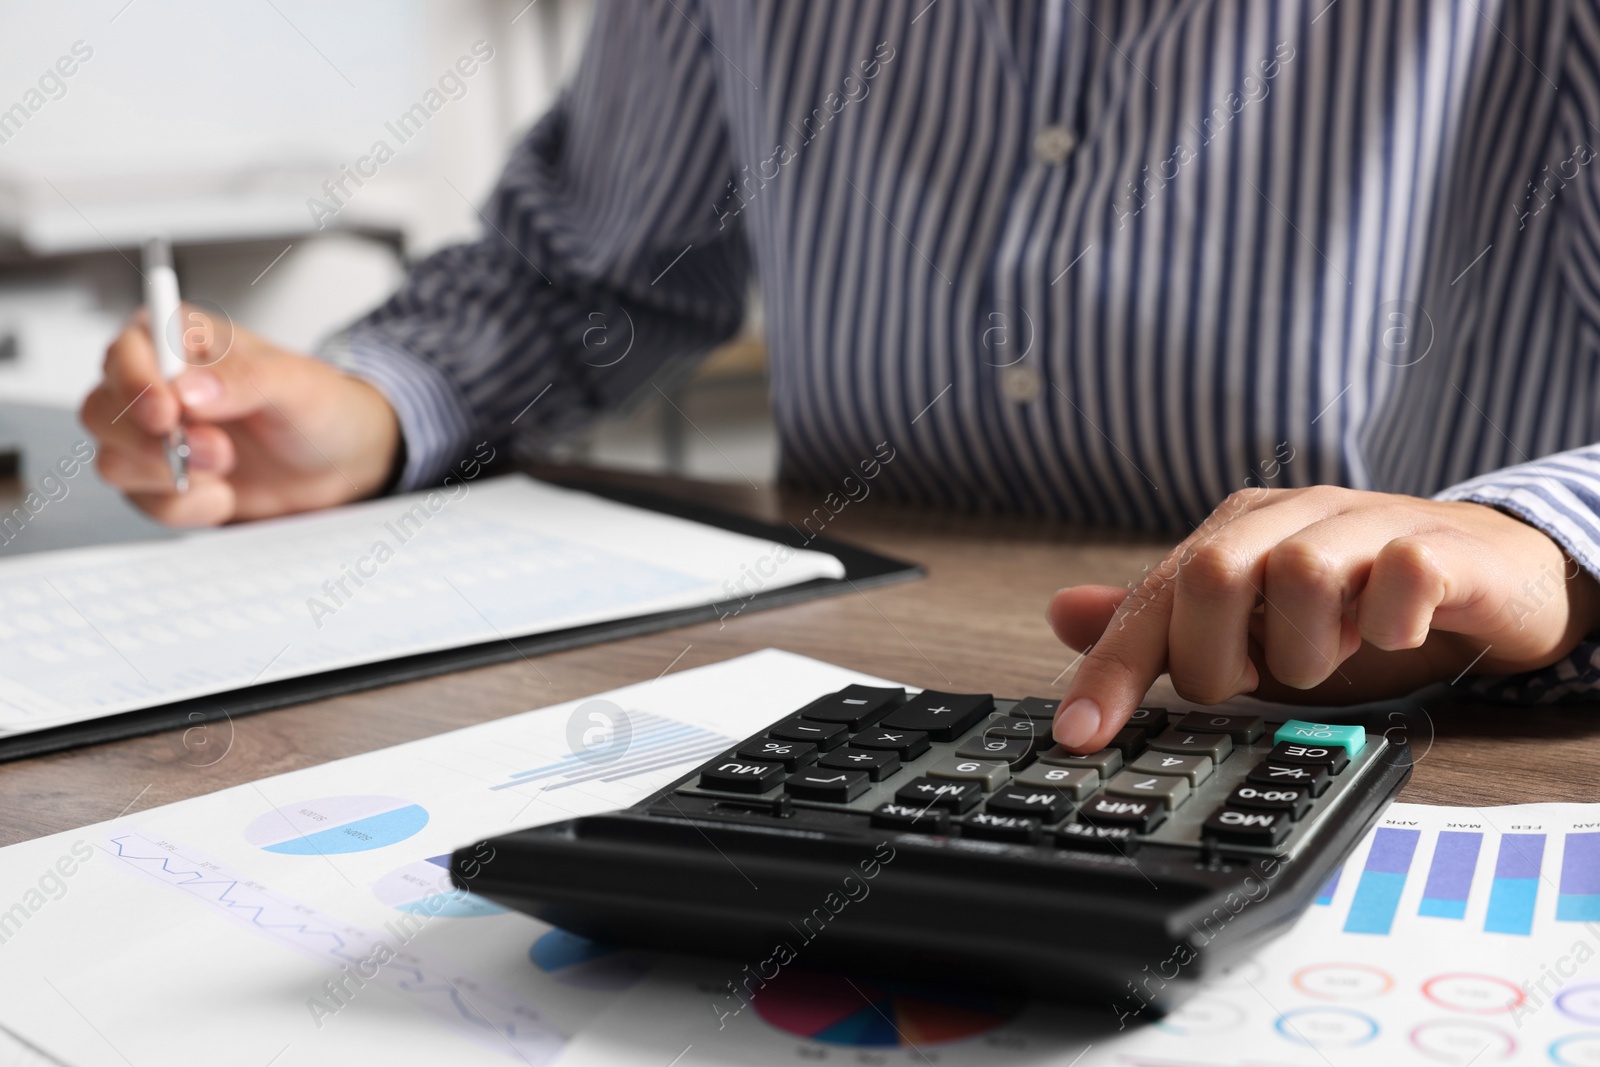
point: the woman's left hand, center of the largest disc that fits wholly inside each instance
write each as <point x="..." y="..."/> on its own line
<point x="1322" y="595"/>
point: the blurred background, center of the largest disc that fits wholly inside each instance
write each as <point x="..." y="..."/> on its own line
<point x="222" y="124"/>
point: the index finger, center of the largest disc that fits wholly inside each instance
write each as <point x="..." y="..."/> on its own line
<point x="1118" y="670"/>
<point x="133" y="377"/>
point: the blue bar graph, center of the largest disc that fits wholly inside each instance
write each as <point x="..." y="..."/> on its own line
<point x="1515" y="888"/>
<point x="1378" y="892"/>
<point x="1325" y="894"/>
<point x="1455" y="857"/>
<point x="1579" y="899"/>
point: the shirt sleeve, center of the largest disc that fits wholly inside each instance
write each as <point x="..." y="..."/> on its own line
<point x="603" y="262"/>
<point x="1560" y="495"/>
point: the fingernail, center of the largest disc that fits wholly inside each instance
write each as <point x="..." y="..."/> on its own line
<point x="1077" y="723"/>
<point x="1252" y="676"/>
<point x="202" y="457"/>
<point x="197" y="387"/>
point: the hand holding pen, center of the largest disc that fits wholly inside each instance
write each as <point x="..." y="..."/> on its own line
<point x="268" y="431"/>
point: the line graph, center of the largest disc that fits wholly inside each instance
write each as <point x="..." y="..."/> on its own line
<point x="496" y="1018"/>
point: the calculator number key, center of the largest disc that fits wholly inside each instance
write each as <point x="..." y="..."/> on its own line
<point x="1012" y="728"/>
<point x="989" y="774"/>
<point x="1166" y="790"/>
<point x="995" y="748"/>
<point x="1290" y="799"/>
<point x="1149" y="718"/>
<point x="1192" y="743"/>
<point x="1075" y="782"/>
<point x="1195" y="769"/>
<point x="1242" y="728"/>
<point x="1130" y="741"/>
<point x="1105" y="763"/>
<point x="740" y="776"/>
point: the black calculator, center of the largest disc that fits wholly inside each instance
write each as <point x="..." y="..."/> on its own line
<point x="945" y="836"/>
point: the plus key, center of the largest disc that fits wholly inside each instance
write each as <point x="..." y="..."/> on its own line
<point x="942" y="716"/>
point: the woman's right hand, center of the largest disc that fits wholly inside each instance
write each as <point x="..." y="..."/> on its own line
<point x="270" y="431"/>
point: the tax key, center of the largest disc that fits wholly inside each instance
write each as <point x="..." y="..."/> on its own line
<point x="1351" y="738"/>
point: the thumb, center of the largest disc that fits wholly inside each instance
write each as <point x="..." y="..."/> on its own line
<point x="230" y="378"/>
<point x="1079" y="614"/>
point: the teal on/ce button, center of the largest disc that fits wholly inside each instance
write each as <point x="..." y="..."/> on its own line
<point x="1352" y="738"/>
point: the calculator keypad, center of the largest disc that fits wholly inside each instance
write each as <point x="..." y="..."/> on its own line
<point x="966" y="766"/>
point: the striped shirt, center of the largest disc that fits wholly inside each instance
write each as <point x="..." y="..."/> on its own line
<point x="1103" y="259"/>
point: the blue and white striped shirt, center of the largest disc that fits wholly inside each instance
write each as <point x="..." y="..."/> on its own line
<point x="1102" y="259"/>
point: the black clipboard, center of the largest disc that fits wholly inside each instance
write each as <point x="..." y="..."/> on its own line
<point x="863" y="569"/>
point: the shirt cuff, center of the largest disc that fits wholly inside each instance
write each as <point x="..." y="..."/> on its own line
<point x="1547" y="495"/>
<point x="435" y="425"/>
<point x="1556" y="496"/>
<point x="1575" y="678"/>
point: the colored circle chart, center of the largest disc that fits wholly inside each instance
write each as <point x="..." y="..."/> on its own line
<point x="330" y="825"/>
<point x="1576" y="1050"/>
<point x="1580" y="1002"/>
<point x="1203" y="1016"/>
<point x="871" y="1014"/>
<point x="1473" y="994"/>
<point x="1343" y="981"/>
<point x="423" y="888"/>
<point x="1463" y="1041"/>
<point x="584" y="964"/>
<point x="1327" y="1028"/>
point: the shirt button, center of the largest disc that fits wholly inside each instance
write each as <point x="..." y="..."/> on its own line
<point x="1053" y="144"/>
<point x="1021" y="383"/>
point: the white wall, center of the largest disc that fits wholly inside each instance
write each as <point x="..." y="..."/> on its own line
<point x="217" y="121"/>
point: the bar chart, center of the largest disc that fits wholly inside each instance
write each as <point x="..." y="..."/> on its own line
<point x="1515" y="889"/>
<point x="651" y="743"/>
<point x="1498" y="883"/>
<point x="1382" y="881"/>
<point x="1455" y="858"/>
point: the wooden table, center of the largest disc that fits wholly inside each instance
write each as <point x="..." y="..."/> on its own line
<point x="976" y="623"/>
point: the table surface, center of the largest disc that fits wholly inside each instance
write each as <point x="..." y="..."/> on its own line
<point x="975" y="623"/>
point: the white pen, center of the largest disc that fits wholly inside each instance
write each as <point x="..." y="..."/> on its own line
<point x="161" y="303"/>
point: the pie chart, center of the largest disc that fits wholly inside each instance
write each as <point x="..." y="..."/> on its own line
<point x="584" y="964"/>
<point x="330" y="825"/>
<point x="857" y="1013"/>
<point x="424" y="888"/>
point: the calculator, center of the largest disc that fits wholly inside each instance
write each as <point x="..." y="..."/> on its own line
<point x="946" y="836"/>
